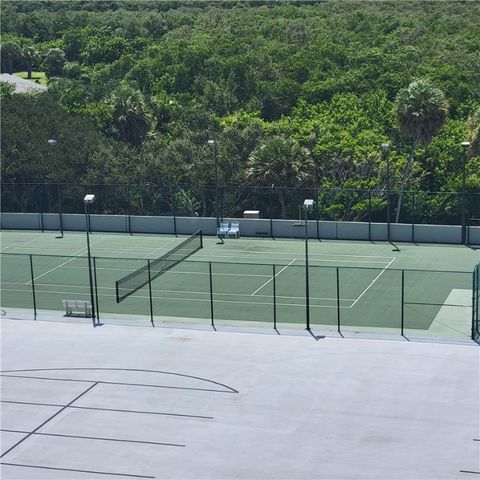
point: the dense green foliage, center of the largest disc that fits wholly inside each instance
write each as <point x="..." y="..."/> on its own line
<point x="145" y="84"/>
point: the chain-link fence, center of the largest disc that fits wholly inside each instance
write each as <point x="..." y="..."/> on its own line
<point x="337" y="299"/>
<point x="336" y="204"/>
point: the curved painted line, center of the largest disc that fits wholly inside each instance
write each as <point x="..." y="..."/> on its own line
<point x="124" y="370"/>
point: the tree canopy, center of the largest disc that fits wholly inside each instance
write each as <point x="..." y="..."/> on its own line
<point x="156" y="79"/>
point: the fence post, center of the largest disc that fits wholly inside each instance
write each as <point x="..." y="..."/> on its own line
<point x="33" y="289"/>
<point x="270" y="194"/>
<point x="60" y="215"/>
<point x="413" y="217"/>
<point x="150" y="293"/>
<point x="211" y="294"/>
<point x="96" y="288"/>
<point x="369" y="215"/>
<point x="174" y="211"/>
<point x="317" y="211"/>
<point x="129" y="210"/>
<point x="338" y="300"/>
<point x="274" y="299"/>
<point x="403" y="302"/>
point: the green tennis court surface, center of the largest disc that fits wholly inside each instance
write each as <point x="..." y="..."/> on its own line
<point x="353" y="285"/>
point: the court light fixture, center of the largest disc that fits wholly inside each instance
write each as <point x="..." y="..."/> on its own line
<point x="308" y="203"/>
<point x="51" y="142"/>
<point x="88" y="200"/>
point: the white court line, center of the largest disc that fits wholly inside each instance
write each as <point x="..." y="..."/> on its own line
<point x="232" y="257"/>
<point x="58" y="266"/>
<point x="78" y="255"/>
<point x="276" y="275"/>
<point x="8" y="246"/>
<point x="290" y="254"/>
<point x="160" y="248"/>
<point x="372" y="282"/>
<point x="184" y="299"/>
<point x="187" y="273"/>
<point x="181" y="291"/>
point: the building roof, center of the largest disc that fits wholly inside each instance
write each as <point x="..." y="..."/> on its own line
<point x="21" y="85"/>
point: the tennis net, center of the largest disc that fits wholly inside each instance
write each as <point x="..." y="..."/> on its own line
<point x="153" y="268"/>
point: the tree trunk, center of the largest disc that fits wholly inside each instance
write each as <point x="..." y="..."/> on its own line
<point x="29" y="70"/>
<point x="204" y="203"/>
<point x="10" y="66"/>
<point x="406" y="176"/>
<point x="281" y="198"/>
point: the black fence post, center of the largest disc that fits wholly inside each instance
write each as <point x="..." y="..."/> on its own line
<point x="129" y="210"/>
<point x="338" y="301"/>
<point x="403" y="303"/>
<point x="174" y="211"/>
<point x="60" y="214"/>
<point x="413" y="217"/>
<point x="150" y="293"/>
<point x="33" y="289"/>
<point x="42" y="224"/>
<point x="96" y="288"/>
<point x="317" y="213"/>
<point x="270" y="214"/>
<point x="211" y="294"/>
<point x="274" y="298"/>
<point x="369" y="215"/>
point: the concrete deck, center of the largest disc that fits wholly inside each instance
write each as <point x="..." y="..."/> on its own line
<point x="124" y="402"/>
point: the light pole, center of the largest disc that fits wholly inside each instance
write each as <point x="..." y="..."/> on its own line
<point x="88" y="199"/>
<point x="385" y="147"/>
<point x="53" y="143"/>
<point x="308" y="203"/>
<point x="465" y="145"/>
<point x="213" y="144"/>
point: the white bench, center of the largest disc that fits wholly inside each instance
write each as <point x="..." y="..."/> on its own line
<point x="77" y="308"/>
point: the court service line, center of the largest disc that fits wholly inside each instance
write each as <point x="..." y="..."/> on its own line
<point x="290" y="254"/>
<point x="372" y="282"/>
<point x="233" y="257"/>
<point x="276" y="275"/>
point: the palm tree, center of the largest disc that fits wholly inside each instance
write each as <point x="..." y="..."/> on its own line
<point x="474" y="133"/>
<point x="131" y="118"/>
<point x="420" y="112"/>
<point x="31" y="57"/>
<point x="280" y="162"/>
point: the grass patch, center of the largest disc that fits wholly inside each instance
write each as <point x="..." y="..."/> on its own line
<point x="40" y="76"/>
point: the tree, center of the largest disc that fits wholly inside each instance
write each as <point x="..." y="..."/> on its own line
<point x="131" y="119"/>
<point x="474" y="133"/>
<point x="280" y="162"/>
<point x="420" y="111"/>
<point x="54" y="62"/>
<point x="31" y="57"/>
<point x="11" y="53"/>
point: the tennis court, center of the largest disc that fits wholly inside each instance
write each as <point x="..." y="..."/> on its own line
<point x="353" y="286"/>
